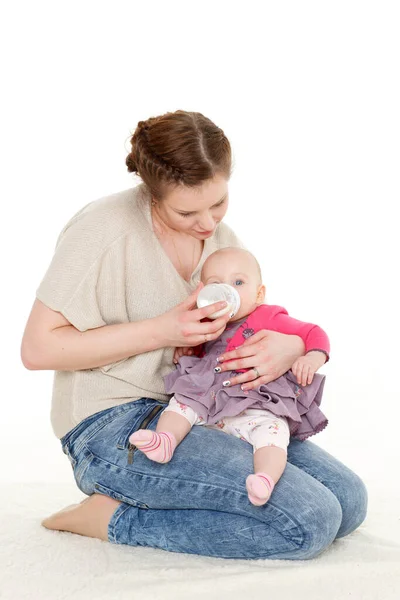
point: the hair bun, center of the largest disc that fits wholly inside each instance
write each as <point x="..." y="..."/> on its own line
<point x="131" y="163"/>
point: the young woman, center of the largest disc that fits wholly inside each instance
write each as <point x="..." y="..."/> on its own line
<point x="117" y="299"/>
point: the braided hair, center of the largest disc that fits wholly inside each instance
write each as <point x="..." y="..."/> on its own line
<point x="178" y="148"/>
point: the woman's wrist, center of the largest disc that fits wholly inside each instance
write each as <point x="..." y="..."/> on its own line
<point x="157" y="333"/>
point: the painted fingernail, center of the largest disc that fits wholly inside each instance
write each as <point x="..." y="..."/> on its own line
<point x="220" y="358"/>
<point x="217" y="370"/>
<point x="244" y="388"/>
<point x="226" y="383"/>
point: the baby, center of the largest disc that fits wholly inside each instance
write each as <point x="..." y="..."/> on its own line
<point x="265" y="417"/>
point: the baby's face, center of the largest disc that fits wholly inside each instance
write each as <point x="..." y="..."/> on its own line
<point x="239" y="269"/>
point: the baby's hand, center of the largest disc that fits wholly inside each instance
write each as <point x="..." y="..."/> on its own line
<point x="186" y="351"/>
<point x="305" y="367"/>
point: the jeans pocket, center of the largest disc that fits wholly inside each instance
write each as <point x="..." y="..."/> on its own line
<point x="102" y="489"/>
<point x="71" y="459"/>
<point x="80" y="472"/>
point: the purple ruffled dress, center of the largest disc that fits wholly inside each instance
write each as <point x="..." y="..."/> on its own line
<point x="195" y="384"/>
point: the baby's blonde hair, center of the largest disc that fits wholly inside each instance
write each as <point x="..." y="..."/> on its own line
<point x="230" y="248"/>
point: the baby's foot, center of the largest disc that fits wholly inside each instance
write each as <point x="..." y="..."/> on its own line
<point x="157" y="446"/>
<point x="259" y="488"/>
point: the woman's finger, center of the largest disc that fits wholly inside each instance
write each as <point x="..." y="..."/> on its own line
<point x="191" y="300"/>
<point x="211" y="329"/>
<point x="260" y="335"/>
<point x="195" y="333"/>
<point x="238" y="364"/>
<point x="245" y="350"/>
<point x="255" y="383"/>
<point x="216" y="335"/>
<point x="241" y="378"/>
<point x="248" y="381"/>
<point x="203" y="313"/>
<point x="215" y="327"/>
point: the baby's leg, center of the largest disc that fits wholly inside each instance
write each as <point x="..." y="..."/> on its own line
<point x="173" y="426"/>
<point x="272" y="460"/>
<point x="269" y="464"/>
<point x="270" y="437"/>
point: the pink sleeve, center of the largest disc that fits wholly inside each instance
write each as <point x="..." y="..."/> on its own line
<point x="313" y="336"/>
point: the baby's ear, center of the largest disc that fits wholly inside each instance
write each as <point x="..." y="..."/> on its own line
<point x="261" y="294"/>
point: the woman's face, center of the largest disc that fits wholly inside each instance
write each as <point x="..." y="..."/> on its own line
<point x="195" y="211"/>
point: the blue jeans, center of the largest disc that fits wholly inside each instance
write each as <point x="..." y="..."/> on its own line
<point x="198" y="502"/>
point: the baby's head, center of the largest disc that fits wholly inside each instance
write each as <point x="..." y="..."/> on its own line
<point x="240" y="269"/>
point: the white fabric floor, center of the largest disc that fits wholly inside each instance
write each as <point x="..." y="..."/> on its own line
<point x="40" y="564"/>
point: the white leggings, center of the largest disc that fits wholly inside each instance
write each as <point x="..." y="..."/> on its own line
<point x="258" y="427"/>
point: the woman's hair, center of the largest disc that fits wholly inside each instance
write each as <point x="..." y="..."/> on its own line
<point x="178" y="148"/>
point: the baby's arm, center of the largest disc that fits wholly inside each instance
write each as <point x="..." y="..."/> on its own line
<point x="188" y="351"/>
<point x="315" y="339"/>
<point x="305" y="366"/>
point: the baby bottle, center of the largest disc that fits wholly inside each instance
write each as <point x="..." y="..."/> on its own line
<point x="217" y="292"/>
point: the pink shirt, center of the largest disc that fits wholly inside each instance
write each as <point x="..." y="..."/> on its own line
<point x="276" y="318"/>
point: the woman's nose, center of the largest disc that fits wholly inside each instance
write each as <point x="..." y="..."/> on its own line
<point x="207" y="224"/>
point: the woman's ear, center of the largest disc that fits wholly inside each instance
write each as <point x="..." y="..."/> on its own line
<point x="260" y="295"/>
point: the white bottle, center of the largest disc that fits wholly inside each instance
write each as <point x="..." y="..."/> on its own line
<point x="217" y="292"/>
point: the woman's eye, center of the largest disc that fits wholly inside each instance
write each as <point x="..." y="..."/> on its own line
<point x="238" y="282"/>
<point x="220" y="204"/>
<point x="190" y="214"/>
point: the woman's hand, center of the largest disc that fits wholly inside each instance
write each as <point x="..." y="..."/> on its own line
<point x="181" y="326"/>
<point x="270" y="352"/>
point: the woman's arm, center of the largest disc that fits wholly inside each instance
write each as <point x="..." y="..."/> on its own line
<point x="50" y="342"/>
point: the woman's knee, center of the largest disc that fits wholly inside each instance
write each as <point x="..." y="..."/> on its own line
<point x="353" y="498"/>
<point x="310" y="532"/>
<point x="320" y="523"/>
<point x="302" y="528"/>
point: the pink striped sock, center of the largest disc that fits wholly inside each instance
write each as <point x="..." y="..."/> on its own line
<point x="259" y="488"/>
<point x="159" y="446"/>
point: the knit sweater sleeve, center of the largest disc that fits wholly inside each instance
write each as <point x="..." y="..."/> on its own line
<point x="69" y="284"/>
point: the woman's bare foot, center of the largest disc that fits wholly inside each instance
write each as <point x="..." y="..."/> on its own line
<point x="90" y="518"/>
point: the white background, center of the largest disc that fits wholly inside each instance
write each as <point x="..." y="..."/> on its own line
<point x="308" y="94"/>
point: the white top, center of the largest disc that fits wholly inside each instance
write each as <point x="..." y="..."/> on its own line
<point x="109" y="267"/>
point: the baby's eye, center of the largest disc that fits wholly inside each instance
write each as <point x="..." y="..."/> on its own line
<point x="239" y="282"/>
